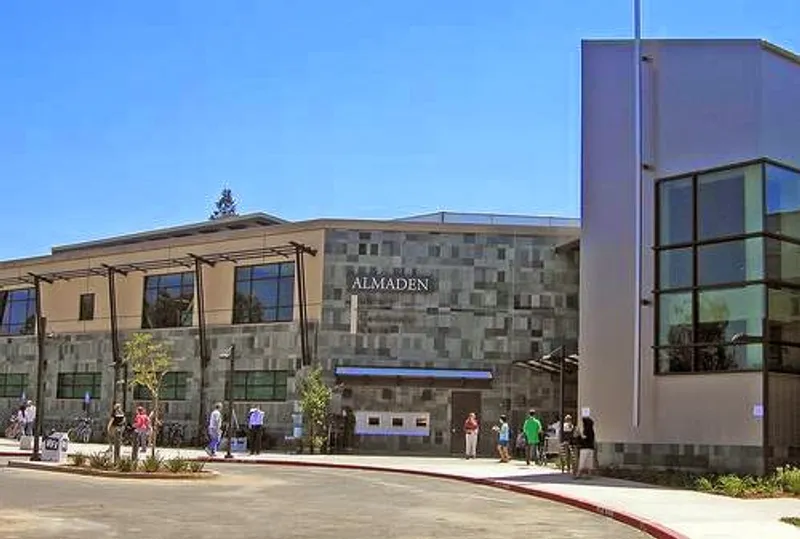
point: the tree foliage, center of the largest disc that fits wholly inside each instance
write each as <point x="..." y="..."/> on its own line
<point x="315" y="397"/>
<point x="149" y="362"/>
<point x="225" y="206"/>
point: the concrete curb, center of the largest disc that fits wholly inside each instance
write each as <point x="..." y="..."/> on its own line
<point x="651" y="528"/>
<point x="15" y="453"/>
<point x="112" y="474"/>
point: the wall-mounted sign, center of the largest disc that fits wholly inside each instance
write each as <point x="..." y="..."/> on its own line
<point x="393" y="423"/>
<point x="383" y="283"/>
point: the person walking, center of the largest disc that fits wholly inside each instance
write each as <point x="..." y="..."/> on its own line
<point x="214" y="430"/>
<point x="115" y="429"/>
<point x="141" y="432"/>
<point x="566" y="441"/>
<point x="29" y="418"/>
<point x="532" y="429"/>
<point x="255" y="427"/>
<point x="471" y="435"/>
<point x="503" y="434"/>
<point x="586" y="448"/>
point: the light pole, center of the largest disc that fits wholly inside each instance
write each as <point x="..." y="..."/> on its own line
<point x="230" y="354"/>
<point x="36" y="454"/>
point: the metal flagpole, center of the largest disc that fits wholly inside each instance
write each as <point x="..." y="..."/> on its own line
<point x="637" y="90"/>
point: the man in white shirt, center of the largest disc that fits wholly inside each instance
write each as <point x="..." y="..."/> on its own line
<point x="255" y="425"/>
<point x="214" y="430"/>
<point x="30" y="418"/>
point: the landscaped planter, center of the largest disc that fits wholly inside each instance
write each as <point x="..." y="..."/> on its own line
<point x="86" y="470"/>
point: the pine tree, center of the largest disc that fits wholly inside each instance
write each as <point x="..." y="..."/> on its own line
<point x="226" y="206"/>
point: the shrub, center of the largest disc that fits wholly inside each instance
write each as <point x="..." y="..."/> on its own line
<point x="101" y="461"/>
<point x="79" y="459"/>
<point x="177" y="465"/>
<point x="126" y="464"/>
<point x="788" y="478"/>
<point x="153" y="463"/>
<point x="704" y="484"/>
<point x="197" y="466"/>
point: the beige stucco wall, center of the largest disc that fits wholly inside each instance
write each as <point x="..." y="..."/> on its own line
<point x="60" y="300"/>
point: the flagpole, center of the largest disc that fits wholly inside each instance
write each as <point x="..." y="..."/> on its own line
<point x="637" y="90"/>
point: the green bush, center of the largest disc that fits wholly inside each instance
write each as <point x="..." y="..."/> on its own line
<point x="197" y="466"/>
<point x="177" y="465"/>
<point x="788" y="478"/>
<point x="153" y="463"/>
<point x="126" y="464"/>
<point x="731" y="485"/>
<point x="704" y="484"/>
<point x="79" y="459"/>
<point x="101" y="461"/>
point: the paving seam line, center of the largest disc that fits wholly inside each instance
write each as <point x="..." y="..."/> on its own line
<point x="651" y="528"/>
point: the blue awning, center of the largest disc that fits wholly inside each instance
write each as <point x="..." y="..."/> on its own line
<point x="391" y="372"/>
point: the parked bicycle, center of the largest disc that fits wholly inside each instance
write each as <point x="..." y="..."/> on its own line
<point x="81" y="431"/>
<point x="14" y="429"/>
<point x="172" y="434"/>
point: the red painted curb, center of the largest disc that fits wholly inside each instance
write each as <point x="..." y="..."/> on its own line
<point x="15" y="454"/>
<point x="651" y="528"/>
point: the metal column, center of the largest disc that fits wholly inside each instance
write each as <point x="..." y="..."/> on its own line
<point x="205" y="358"/>
<point x="301" y="298"/>
<point x="111" y="274"/>
<point x="41" y="365"/>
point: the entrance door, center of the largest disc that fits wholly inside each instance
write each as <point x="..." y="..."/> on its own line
<point x="461" y="404"/>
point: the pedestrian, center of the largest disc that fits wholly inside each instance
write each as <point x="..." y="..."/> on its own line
<point x="214" y="430"/>
<point x="471" y="435"/>
<point x="503" y="433"/>
<point x="586" y="448"/>
<point x="532" y="429"/>
<point x="255" y="428"/>
<point x="141" y="432"/>
<point x="116" y="429"/>
<point x="566" y="441"/>
<point x="29" y="418"/>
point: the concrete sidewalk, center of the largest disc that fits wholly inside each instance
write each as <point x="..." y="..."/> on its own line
<point x="665" y="513"/>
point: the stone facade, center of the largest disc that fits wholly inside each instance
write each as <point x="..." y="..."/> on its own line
<point x="496" y="299"/>
<point x="694" y="457"/>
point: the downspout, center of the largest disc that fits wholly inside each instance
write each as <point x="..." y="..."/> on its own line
<point x="637" y="330"/>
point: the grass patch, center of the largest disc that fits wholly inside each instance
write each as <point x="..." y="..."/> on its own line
<point x="153" y="463"/>
<point x="197" y="466"/>
<point x="126" y="464"/>
<point x="101" y="461"/>
<point x="794" y="521"/>
<point x="783" y="482"/>
<point x="177" y="465"/>
<point x="79" y="459"/>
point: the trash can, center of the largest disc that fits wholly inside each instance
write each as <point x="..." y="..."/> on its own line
<point x="55" y="447"/>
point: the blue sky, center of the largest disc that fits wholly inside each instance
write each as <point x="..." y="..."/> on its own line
<point x="117" y="117"/>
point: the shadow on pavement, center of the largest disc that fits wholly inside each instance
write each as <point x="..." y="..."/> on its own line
<point x="558" y="478"/>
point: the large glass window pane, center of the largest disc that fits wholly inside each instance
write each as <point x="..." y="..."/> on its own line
<point x="675" y="359"/>
<point x="729" y="203"/>
<point x="730" y="262"/>
<point x="168" y="301"/>
<point x="728" y="312"/>
<point x="675" y="211"/>
<point x="783" y="261"/>
<point x="675" y="268"/>
<point x="729" y="357"/>
<point x="783" y="201"/>
<point x="675" y="319"/>
<point x="784" y="316"/>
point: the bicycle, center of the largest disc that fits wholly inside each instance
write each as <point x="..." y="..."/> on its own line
<point x="172" y="434"/>
<point x="82" y="432"/>
<point x="14" y="429"/>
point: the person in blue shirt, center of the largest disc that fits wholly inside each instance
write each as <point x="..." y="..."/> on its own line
<point x="503" y="434"/>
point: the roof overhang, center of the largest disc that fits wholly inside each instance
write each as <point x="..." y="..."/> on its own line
<point x="417" y="373"/>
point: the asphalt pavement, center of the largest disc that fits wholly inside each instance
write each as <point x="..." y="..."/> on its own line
<point x="282" y="503"/>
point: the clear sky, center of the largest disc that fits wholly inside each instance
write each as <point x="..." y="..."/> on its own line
<point x="121" y="116"/>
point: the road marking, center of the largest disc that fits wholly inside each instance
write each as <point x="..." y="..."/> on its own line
<point x="490" y="499"/>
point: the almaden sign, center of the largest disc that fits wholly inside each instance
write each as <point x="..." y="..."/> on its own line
<point x="371" y="283"/>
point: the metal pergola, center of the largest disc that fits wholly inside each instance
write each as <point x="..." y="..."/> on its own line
<point x="187" y="260"/>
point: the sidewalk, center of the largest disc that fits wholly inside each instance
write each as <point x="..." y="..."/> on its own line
<point x="692" y="515"/>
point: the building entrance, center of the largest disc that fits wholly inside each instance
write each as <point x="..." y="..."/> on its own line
<point x="461" y="404"/>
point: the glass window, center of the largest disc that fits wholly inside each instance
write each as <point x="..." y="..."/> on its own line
<point x="728" y="312"/>
<point x="729" y="357"/>
<point x="18" y="310"/>
<point x="783" y="261"/>
<point x="729" y="203"/>
<point x="168" y="301"/>
<point x="784" y="316"/>
<point x="173" y="388"/>
<point x="784" y="358"/>
<point x="675" y="359"/>
<point x="675" y="211"/>
<point x="675" y="268"/>
<point x="86" y="307"/>
<point x="12" y="386"/>
<point x="783" y="201"/>
<point x="75" y="385"/>
<point x="264" y="293"/>
<point x="730" y="262"/>
<point x="259" y="386"/>
<point x="675" y="319"/>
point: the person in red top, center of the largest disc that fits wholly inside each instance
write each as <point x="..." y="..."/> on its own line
<point x="141" y="428"/>
<point x="471" y="433"/>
